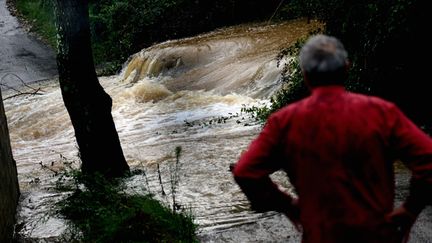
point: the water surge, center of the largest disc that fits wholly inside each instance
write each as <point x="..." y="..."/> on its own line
<point x="186" y="93"/>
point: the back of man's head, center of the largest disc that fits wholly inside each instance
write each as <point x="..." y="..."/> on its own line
<point x="323" y="60"/>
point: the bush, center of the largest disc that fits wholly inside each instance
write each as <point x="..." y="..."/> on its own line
<point x="385" y="40"/>
<point x="39" y="16"/>
<point x="293" y="88"/>
<point x="100" y="211"/>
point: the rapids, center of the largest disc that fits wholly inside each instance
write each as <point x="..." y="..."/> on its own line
<point x="186" y="93"/>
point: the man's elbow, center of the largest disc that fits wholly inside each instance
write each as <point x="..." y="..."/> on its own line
<point x="240" y="171"/>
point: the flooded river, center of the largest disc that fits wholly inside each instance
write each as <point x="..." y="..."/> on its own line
<point x="186" y="93"/>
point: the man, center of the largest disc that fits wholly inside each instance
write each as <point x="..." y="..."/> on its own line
<point x="338" y="150"/>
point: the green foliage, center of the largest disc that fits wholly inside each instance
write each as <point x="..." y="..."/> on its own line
<point x="122" y="27"/>
<point x="38" y="14"/>
<point x="385" y="40"/>
<point x="101" y="211"/>
<point x="122" y="24"/>
<point x="293" y="87"/>
<point x="131" y="25"/>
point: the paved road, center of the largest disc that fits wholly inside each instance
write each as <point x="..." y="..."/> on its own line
<point x="21" y="55"/>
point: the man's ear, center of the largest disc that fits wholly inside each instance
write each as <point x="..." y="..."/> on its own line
<point x="347" y="65"/>
<point x="347" y="69"/>
<point x="306" y="79"/>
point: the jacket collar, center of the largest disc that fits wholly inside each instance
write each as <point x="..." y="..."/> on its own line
<point x="329" y="89"/>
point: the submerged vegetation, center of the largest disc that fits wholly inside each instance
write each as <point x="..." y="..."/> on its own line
<point x="102" y="210"/>
<point x="293" y="88"/>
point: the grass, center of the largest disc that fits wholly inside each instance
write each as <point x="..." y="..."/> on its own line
<point x="101" y="211"/>
<point x="39" y="15"/>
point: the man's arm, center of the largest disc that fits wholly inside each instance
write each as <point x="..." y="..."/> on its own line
<point x="414" y="148"/>
<point x="252" y="171"/>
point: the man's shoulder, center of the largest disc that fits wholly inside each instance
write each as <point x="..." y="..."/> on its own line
<point x="291" y="107"/>
<point x="286" y="112"/>
<point x="371" y="99"/>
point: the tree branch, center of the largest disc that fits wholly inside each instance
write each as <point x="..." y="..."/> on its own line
<point x="33" y="91"/>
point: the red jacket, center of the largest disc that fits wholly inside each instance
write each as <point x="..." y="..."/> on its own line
<point x="338" y="150"/>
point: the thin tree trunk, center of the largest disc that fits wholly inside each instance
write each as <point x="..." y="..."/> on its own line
<point x="9" y="190"/>
<point x="89" y="106"/>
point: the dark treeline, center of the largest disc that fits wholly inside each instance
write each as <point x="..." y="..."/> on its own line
<point x="122" y="27"/>
<point x="386" y="41"/>
<point x="131" y="25"/>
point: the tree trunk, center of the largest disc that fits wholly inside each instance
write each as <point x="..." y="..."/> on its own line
<point x="9" y="189"/>
<point x="88" y="105"/>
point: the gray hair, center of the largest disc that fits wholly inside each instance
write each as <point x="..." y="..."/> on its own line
<point x="322" y="54"/>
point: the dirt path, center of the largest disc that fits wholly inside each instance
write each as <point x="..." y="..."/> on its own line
<point x="22" y="56"/>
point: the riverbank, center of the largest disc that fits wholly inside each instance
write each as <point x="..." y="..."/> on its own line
<point x="24" y="22"/>
<point x="185" y="106"/>
<point x="25" y="59"/>
<point x="27" y="70"/>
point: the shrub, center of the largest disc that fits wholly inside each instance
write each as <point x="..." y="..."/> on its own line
<point x="101" y="211"/>
<point x="293" y="87"/>
<point x="39" y="16"/>
<point x="385" y="40"/>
